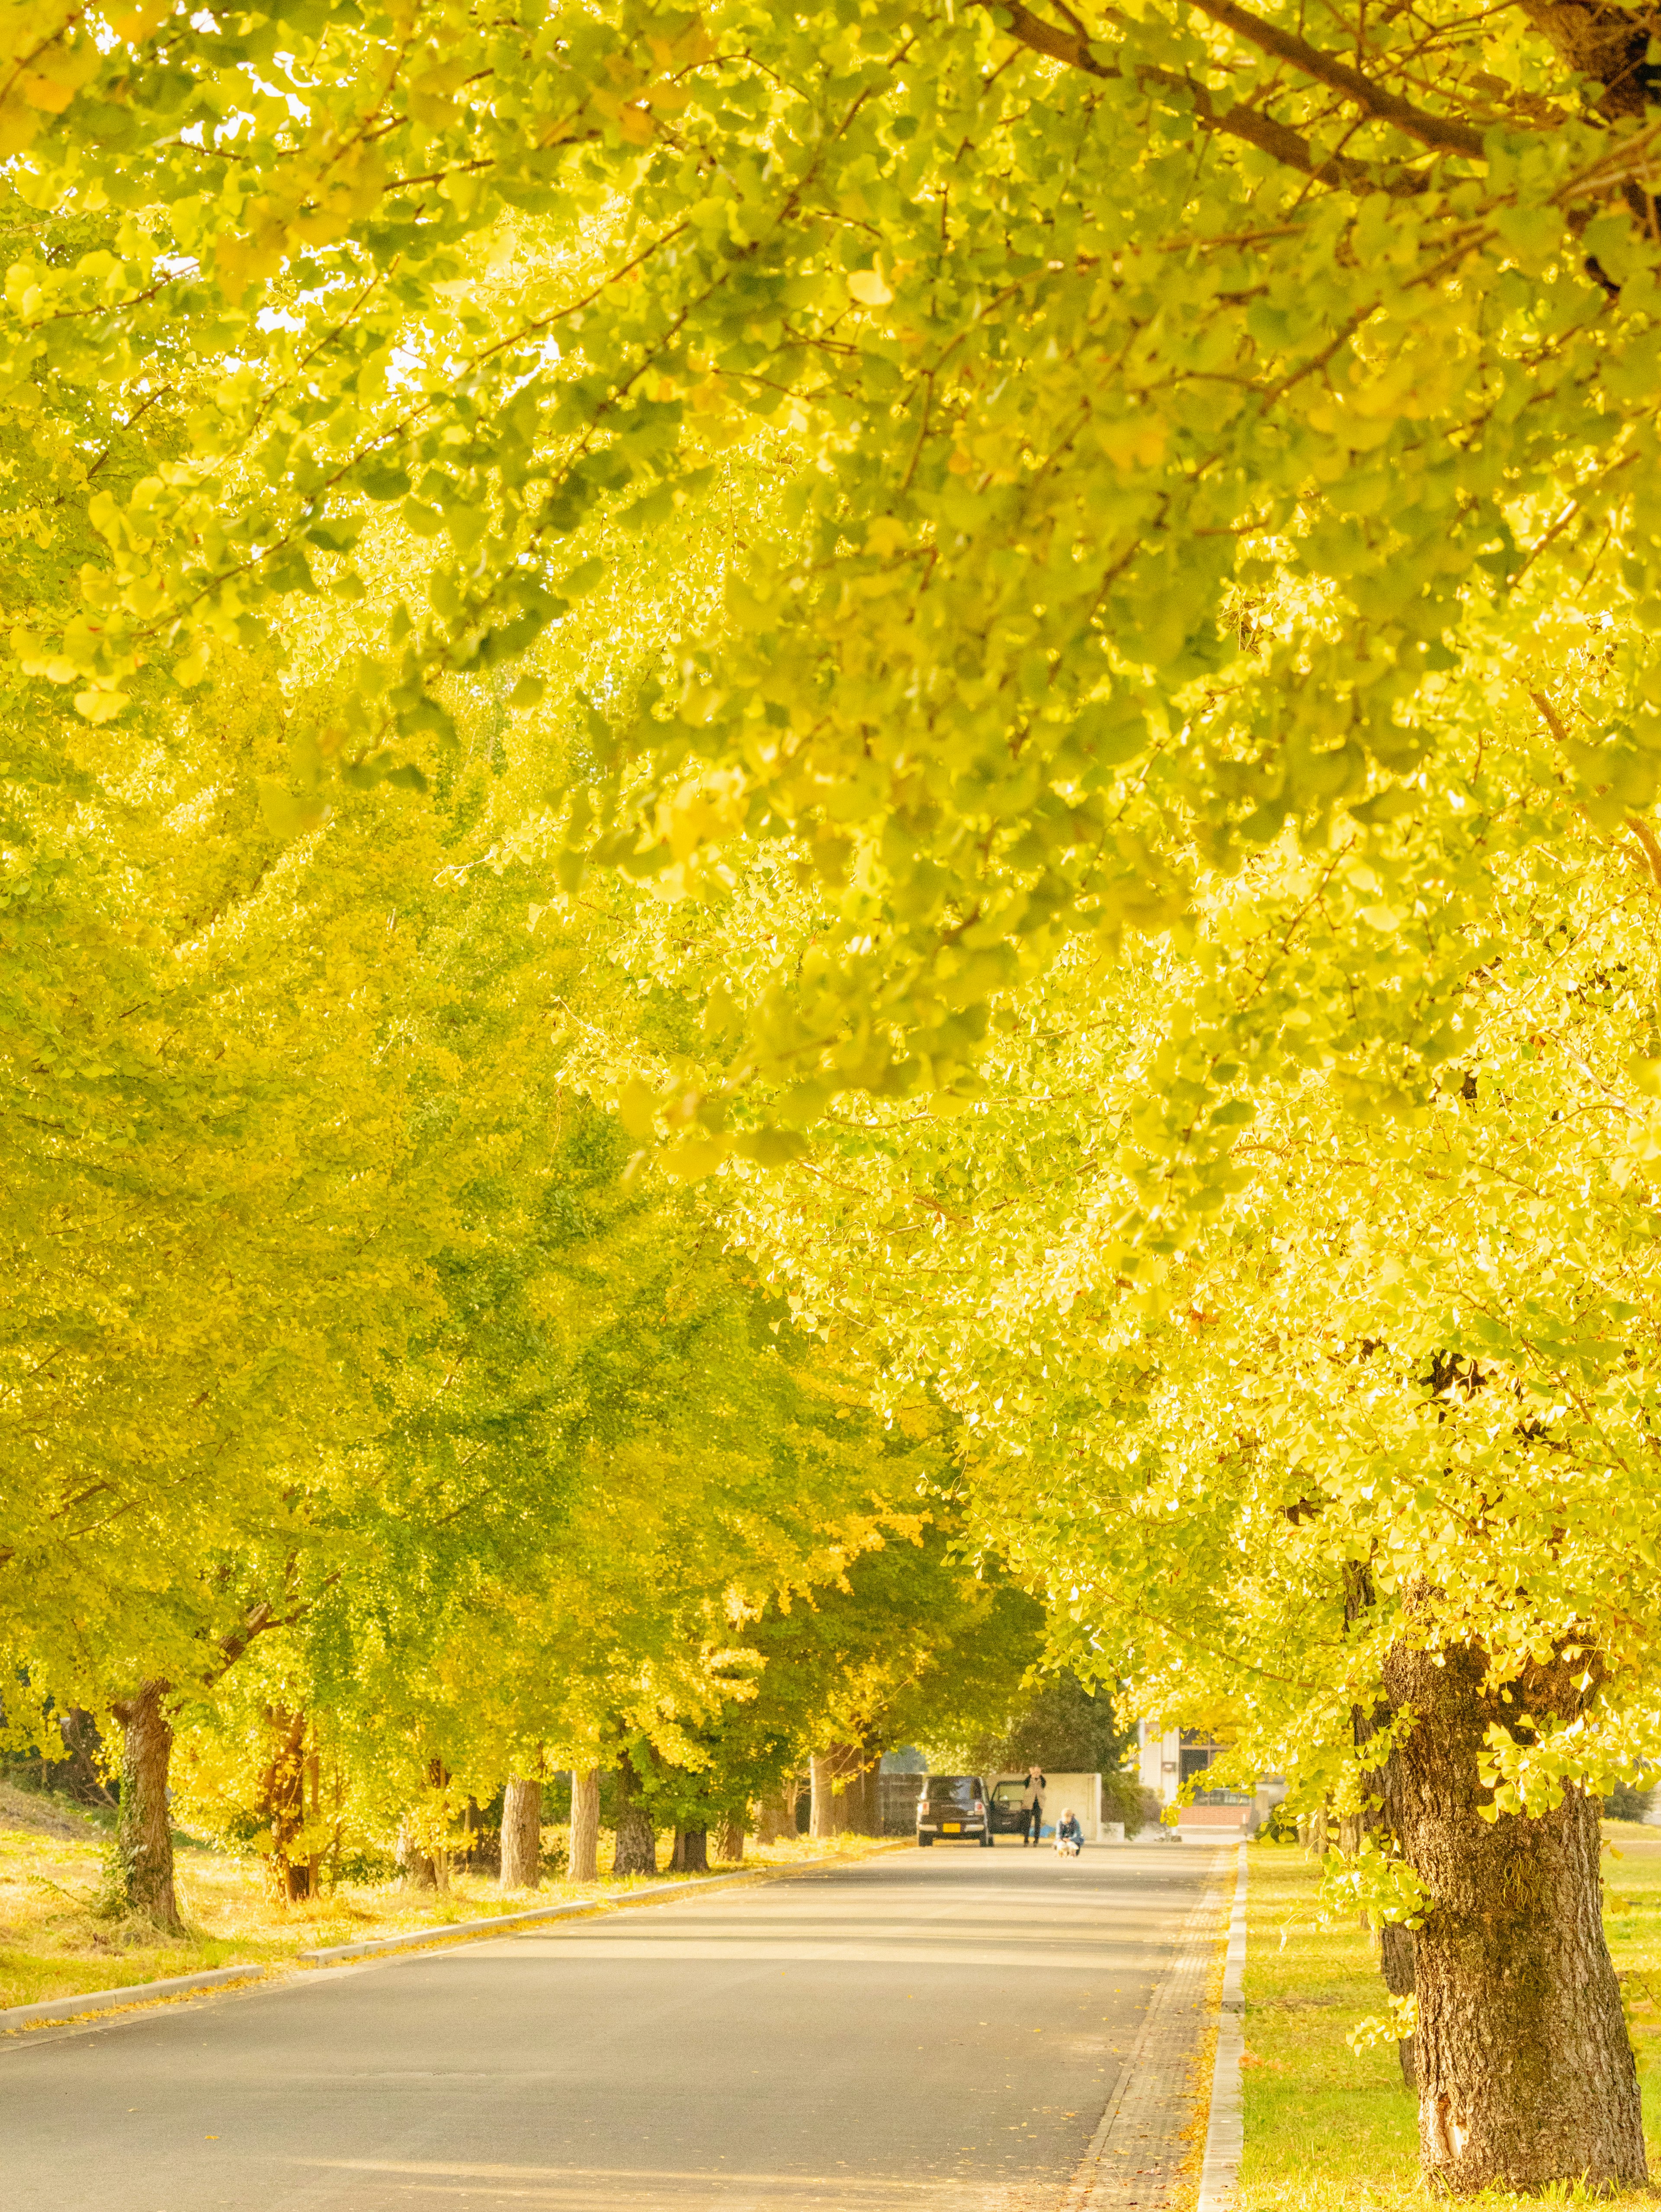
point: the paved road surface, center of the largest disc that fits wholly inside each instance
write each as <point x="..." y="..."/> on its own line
<point x="848" y="2040"/>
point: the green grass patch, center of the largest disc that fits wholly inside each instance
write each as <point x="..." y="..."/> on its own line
<point x="1325" y="2129"/>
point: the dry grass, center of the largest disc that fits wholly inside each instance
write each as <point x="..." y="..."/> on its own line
<point x="54" y="1942"/>
<point x="1326" y="2131"/>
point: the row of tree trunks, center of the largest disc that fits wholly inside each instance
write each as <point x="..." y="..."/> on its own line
<point x="521" y="1833"/>
<point x="1525" y="2071"/>
<point x="144" y="1839"/>
<point x="845" y="1792"/>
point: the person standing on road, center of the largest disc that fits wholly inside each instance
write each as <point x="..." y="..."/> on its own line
<point x="1032" y="1806"/>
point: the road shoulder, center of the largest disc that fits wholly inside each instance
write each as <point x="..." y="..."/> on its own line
<point x="1148" y="2150"/>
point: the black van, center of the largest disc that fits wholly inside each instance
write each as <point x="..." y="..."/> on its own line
<point x="1006" y="1805"/>
<point x="953" y="1805"/>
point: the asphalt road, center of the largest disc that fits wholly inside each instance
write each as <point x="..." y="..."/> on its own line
<point x="853" y="2039"/>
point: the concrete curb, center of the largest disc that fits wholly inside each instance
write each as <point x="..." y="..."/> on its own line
<point x="133" y="1993"/>
<point x="1224" y="2130"/>
<point x="466" y="1931"/>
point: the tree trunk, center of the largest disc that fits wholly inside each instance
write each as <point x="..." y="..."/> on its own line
<point x="691" y="1853"/>
<point x="1526" y="2076"/>
<point x="423" y="1868"/>
<point x="418" y="1868"/>
<point x="585" y="1825"/>
<point x="637" y="1850"/>
<point x="521" y="1833"/>
<point x="829" y="1810"/>
<point x="315" y="1858"/>
<point x="778" y="1813"/>
<point x="283" y="1800"/>
<point x="844" y="1792"/>
<point x="1381" y="1815"/>
<point x="144" y="1838"/>
<point x="438" y="1781"/>
<point x="1396" y="1964"/>
<point x="865" y="1801"/>
<point x="729" y="1842"/>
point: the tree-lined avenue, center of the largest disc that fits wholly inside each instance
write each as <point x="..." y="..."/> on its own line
<point x="851" y="2039"/>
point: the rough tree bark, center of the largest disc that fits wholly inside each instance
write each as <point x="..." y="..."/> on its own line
<point x="1396" y="1964"/>
<point x="691" y="1854"/>
<point x="1381" y="1817"/>
<point x="729" y="1842"/>
<point x="521" y="1833"/>
<point x="585" y="1825"/>
<point x="637" y="1850"/>
<point x="1526" y="2076"/>
<point x="143" y="1838"/>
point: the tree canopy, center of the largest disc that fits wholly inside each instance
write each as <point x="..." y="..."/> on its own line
<point x="1002" y="656"/>
<point x="1184" y="425"/>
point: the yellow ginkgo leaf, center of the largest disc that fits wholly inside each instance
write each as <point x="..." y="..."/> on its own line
<point x="99" y="705"/>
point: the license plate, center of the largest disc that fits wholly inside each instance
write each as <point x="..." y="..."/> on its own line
<point x="951" y="1828"/>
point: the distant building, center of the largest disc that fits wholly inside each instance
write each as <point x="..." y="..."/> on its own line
<point x="1168" y="1759"/>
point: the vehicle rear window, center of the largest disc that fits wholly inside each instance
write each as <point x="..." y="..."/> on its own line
<point x="1009" y="1793"/>
<point x="952" y="1788"/>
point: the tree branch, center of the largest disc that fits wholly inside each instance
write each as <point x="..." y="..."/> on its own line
<point x="1277" y="140"/>
<point x="1639" y="828"/>
<point x="1439" y="132"/>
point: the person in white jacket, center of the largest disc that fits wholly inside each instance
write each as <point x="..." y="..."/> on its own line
<point x="1032" y="1806"/>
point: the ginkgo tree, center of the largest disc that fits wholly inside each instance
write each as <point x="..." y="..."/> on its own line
<point x="1360" y="1462"/>
<point x="1209" y="449"/>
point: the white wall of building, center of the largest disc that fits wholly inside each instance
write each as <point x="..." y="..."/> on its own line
<point x="1159" y="1762"/>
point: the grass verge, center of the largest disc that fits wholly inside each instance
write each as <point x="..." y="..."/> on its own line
<point x="54" y="1943"/>
<point x="1326" y="2129"/>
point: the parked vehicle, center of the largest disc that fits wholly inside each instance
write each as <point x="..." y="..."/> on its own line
<point x="953" y="1805"/>
<point x="1005" y="1816"/>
